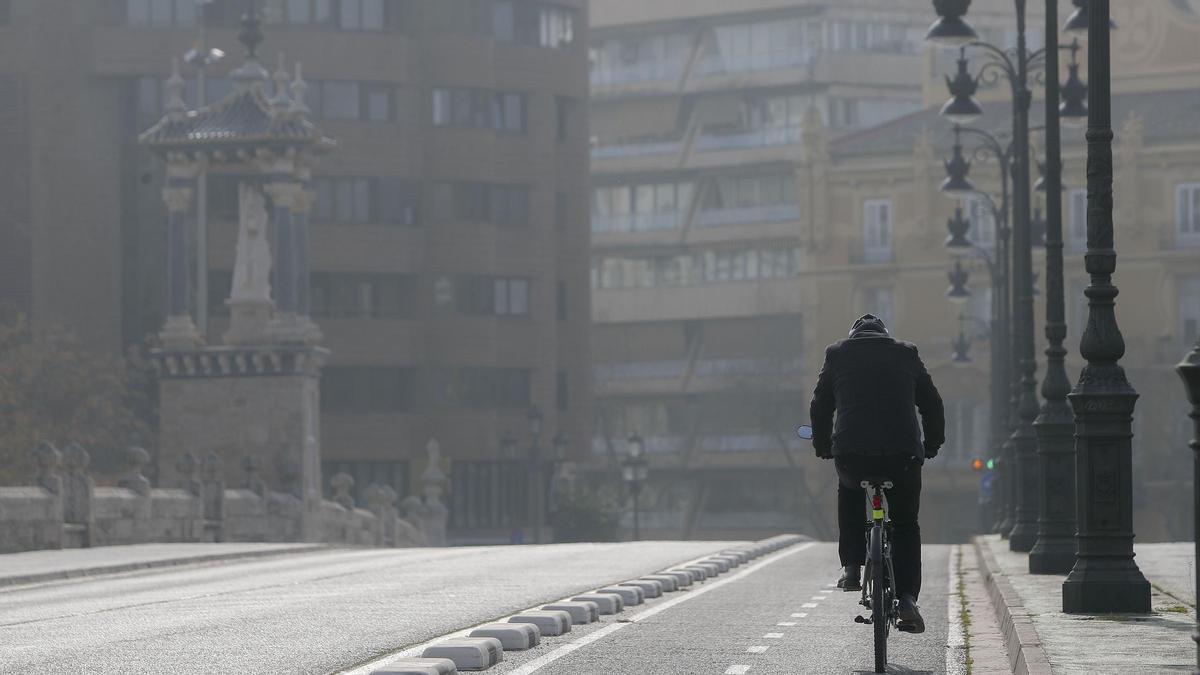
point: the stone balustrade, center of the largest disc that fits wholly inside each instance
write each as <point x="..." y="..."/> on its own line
<point x="64" y="509"/>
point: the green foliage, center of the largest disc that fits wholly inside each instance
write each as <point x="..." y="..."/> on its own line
<point x="584" y="516"/>
<point x="54" y="388"/>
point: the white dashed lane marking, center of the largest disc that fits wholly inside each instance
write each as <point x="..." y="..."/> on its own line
<point x="799" y="615"/>
<point x="737" y="670"/>
<point x="773" y="636"/>
<point x="809" y="605"/>
<point x="757" y="649"/>
<point x="786" y="623"/>
<point x="820" y="597"/>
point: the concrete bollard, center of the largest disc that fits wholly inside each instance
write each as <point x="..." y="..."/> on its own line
<point x="712" y="568"/>
<point x="652" y="589"/>
<point x="549" y="622"/>
<point x="467" y="653"/>
<point x="581" y="611"/>
<point x="669" y="583"/>
<point x="418" y="667"/>
<point x="606" y="603"/>
<point x="512" y="636"/>
<point x="701" y="573"/>
<point x="632" y="595"/>
<point x="683" y="578"/>
<point x="721" y="563"/>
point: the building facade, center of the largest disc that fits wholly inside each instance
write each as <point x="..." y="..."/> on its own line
<point x="734" y="236"/>
<point x="449" y="231"/>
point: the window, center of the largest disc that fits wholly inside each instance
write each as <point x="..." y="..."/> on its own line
<point x="877" y="230"/>
<point x="504" y="20"/>
<point x="651" y="206"/>
<point x="361" y="15"/>
<point x="983" y="222"/>
<point x="5" y="12"/>
<point x="560" y="300"/>
<point x="481" y="202"/>
<point x="1189" y="310"/>
<point x="309" y="11"/>
<point x="339" y="100"/>
<point x="877" y="300"/>
<point x="501" y="111"/>
<point x="1187" y="210"/>
<point x="481" y="388"/>
<point x="362" y="296"/>
<point x="562" y="117"/>
<point x="377" y="102"/>
<point x="367" y="389"/>
<point x="484" y="296"/>
<point x="160" y="12"/>
<point x="511" y="297"/>
<point x="560" y="210"/>
<point x="714" y="266"/>
<point x="556" y="26"/>
<point x="1077" y="212"/>
<point x="361" y="200"/>
<point x="561" y="393"/>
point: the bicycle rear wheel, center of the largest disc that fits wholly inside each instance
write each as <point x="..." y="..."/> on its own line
<point x="879" y="599"/>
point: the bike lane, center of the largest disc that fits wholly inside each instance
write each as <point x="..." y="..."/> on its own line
<point x="783" y="618"/>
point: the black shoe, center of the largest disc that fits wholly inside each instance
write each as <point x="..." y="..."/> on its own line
<point x="910" y="616"/>
<point x="851" y="579"/>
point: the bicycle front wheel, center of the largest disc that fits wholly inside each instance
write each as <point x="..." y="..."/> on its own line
<point x="879" y="595"/>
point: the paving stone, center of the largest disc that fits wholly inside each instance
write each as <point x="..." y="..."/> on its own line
<point x="467" y="653"/>
<point x="512" y="636"/>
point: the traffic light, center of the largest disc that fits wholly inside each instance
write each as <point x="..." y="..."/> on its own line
<point x="977" y="464"/>
<point x="991" y="464"/>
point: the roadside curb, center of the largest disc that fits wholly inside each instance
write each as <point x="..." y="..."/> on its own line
<point x="1025" y="652"/>
<point x="102" y="570"/>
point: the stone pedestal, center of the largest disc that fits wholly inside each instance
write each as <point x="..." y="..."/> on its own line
<point x="238" y="402"/>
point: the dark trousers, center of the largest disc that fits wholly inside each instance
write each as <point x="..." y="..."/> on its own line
<point x="904" y="504"/>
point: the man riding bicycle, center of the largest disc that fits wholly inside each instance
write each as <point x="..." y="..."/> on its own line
<point x="876" y="384"/>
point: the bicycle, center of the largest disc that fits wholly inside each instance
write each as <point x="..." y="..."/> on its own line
<point x="879" y="580"/>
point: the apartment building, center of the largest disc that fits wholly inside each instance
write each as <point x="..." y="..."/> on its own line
<point x="449" y="236"/>
<point x="763" y="176"/>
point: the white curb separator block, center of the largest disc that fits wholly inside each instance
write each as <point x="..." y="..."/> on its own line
<point x="549" y="622"/>
<point x="721" y="563"/>
<point x="652" y="589"/>
<point x="581" y="611"/>
<point x="632" y="595"/>
<point x="606" y="603"/>
<point x="670" y="584"/>
<point x="512" y="636"/>
<point x="467" y="653"/>
<point x="418" y="667"/>
<point x="683" y="578"/>
<point x="698" y="573"/>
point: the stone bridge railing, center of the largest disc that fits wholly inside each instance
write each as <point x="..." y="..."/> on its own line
<point x="64" y="508"/>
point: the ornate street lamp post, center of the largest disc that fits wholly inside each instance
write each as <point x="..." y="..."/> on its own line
<point x="536" y="492"/>
<point x="1105" y="577"/>
<point x="1189" y="370"/>
<point x="634" y="471"/>
<point x="1054" y="549"/>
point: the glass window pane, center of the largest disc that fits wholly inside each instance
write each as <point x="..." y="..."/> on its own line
<point x="362" y="200"/>
<point x="299" y="11"/>
<point x="504" y="23"/>
<point x="185" y="12"/>
<point x="379" y="104"/>
<point x="518" y="297"/>
<point x="664" y="197"/>
<point x="349" y="15"/>
<point x="372" y="15"/>
<point x="441" y="107"/>
<point x="323" y="208"/>
<point x="500" y="300"/>
<point x="322" y="10"/>
<point x="644" y="199"/>
<point x="340" y="100"/>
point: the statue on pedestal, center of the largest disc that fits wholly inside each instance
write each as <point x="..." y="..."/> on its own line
<point x="249" y="301"/>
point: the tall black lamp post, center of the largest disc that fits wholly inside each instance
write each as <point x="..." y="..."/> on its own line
<point x="1105" y="577"/>
<point x="536" y="493"/>
<point x="634" y="471"/>
<point x="1189" y="370"/>
<point x="1054" y="548"/>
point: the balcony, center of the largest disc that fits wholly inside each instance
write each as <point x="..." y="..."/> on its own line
<point x="873" y="256"/>
<point x="656" y="71"/>
<point x="749" y="214"/>
<point x="636" y="222"/>
<point x="754" y="138"/>
<point x="722" y="444"/>
<point x="646" y="148"/>
<point x="734" y="367"/>
<point x="721" y="64"/>
<point x="640" y="370"/>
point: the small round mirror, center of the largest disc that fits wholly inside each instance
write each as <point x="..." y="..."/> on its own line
<point x="804" y="432"/>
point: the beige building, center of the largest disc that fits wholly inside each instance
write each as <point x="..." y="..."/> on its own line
<point x="449" y="236"/>
<point x="735" y="235"/>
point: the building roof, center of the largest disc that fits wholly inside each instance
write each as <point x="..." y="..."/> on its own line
<point x="1166" y="116"/>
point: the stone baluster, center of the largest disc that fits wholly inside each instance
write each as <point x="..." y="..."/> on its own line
<point x="343" y="484"/>
<point x="188" y="466"/>
<point x="78" y="487"/>
<point x="435" y="514"/>
<point x="377" y="503"/>
<point x="135" y="459"/>
<point x="47" y="460"/>
<point x="214" y="487"/>
<point x="252" y="465"/>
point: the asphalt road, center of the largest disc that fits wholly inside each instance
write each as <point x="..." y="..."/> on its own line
<point x="331" y="611"/>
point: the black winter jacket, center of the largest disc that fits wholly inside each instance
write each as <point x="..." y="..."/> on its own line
<point x="873" y="382"/>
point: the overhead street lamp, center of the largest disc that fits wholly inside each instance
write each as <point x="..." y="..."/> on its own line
<point x="634" y="471"/>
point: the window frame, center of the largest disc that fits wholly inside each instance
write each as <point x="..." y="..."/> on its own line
<point x="878" y="239"/>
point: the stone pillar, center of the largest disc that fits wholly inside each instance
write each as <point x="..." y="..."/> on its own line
<point x="301" y="218"/>
<point x="135" y="460"/>
<point x="179" y="332"/>
<point x="47" y="459"/>
<point x="289" y="213"/>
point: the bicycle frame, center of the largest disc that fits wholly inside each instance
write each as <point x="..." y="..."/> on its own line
<point x="879" y="583"/>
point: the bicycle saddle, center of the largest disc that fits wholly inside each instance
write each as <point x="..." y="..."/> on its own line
<point x="885" y="483"/>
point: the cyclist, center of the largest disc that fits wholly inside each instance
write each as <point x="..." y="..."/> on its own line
<point x="875" y="384"/>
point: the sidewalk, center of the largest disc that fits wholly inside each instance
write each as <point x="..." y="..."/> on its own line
<point x="1042" y="639"/>
<point x="30" y="567"/>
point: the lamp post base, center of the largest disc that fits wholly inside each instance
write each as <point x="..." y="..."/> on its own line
<point x="1106" y="587"/>
<point x="1052" y="556"/>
